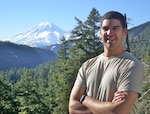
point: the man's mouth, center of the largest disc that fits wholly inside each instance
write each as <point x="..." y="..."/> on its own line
<point x="109" y="40"/>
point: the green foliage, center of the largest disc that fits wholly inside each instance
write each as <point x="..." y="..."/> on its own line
<point x="144" y="101"/>
<point x="6" y="97"/>
<point x="140" y="47"/>
<point x="86" y="37"/>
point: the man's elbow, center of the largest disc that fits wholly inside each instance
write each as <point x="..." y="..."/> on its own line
<point x="70" y="109"/>
<point x="114" y="112"/>
<point x="118" y="108"/>
<point x="120" y="111"/>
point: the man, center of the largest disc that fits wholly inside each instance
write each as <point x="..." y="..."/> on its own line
<point x="111" y="82"/>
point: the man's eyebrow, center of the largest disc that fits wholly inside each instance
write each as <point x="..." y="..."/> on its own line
<point x="115" y="26"/>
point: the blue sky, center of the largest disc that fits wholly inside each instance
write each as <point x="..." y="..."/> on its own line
<point x="18" y="16"/>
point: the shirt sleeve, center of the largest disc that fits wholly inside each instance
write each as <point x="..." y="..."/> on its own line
<point x="81" y="78"/>
<point x="132" y="78"/>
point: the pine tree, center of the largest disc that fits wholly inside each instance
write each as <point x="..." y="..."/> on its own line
<point x="86" y="36"/>
<point x="7" y="103"/>
<point x="23" y="91"/>
<point x="58" y="85"/>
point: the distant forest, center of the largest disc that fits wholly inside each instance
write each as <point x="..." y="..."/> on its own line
<point x="45" y="89"/>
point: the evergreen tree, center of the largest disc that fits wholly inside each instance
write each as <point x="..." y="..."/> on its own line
<point x="27" y="96"/>
<point x="7" y="103"/>
<point x="86" y="36"/>
<point x="58" y="90"/>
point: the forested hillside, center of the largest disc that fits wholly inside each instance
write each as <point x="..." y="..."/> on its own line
<point x="140" y="44"/>
<point x="136" y="31"/>
<point x="140" y="47"/>
<point x="17" y="56"/>
<point x="45" y="89"/>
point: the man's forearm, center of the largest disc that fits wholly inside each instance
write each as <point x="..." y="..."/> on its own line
<point x="78" y="108"/>
<point x="97" y="107"/>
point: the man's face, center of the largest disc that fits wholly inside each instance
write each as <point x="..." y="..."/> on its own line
<point x="112" y="34"/>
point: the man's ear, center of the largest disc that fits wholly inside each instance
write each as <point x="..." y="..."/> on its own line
<point x="100" y="34"/>
<point x="125" y="33"/>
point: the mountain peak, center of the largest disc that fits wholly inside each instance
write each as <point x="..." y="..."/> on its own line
<point x="43" y="34"/>
<point x="44" y="25"/>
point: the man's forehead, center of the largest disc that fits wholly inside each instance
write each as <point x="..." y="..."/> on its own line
<point x="111" y="22"/>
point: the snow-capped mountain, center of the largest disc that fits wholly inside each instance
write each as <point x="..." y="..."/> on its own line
<point x="43" y="34"/>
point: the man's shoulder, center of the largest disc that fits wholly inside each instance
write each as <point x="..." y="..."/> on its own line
<point x="132" y="61"/>
<point x="131" y="57"/>
<point x="92" y="61"/>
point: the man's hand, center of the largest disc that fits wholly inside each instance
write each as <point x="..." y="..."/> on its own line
<point x="119" y="96"/>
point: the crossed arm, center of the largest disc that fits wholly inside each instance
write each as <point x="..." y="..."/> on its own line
<point x="121" y="104"/>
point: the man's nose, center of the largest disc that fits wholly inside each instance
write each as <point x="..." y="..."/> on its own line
<point x="109" y="32"/>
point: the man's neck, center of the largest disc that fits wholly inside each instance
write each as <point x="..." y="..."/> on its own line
<point x="109" y="53"/>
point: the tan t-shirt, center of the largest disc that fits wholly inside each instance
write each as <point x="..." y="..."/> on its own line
<point x="103" y="76"/>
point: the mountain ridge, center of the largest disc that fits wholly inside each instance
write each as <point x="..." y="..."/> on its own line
<point x="14" y="55"/>
<point x="137" y="30"/>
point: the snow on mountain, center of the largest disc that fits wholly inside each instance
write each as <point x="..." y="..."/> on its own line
<point x="43" y="34"/>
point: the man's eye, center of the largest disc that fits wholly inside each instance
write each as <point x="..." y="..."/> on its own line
<point x="105" y="29"/>
<point x="115" y="28"/>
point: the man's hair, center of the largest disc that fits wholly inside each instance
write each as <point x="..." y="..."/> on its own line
<point x="115" y="15"/>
